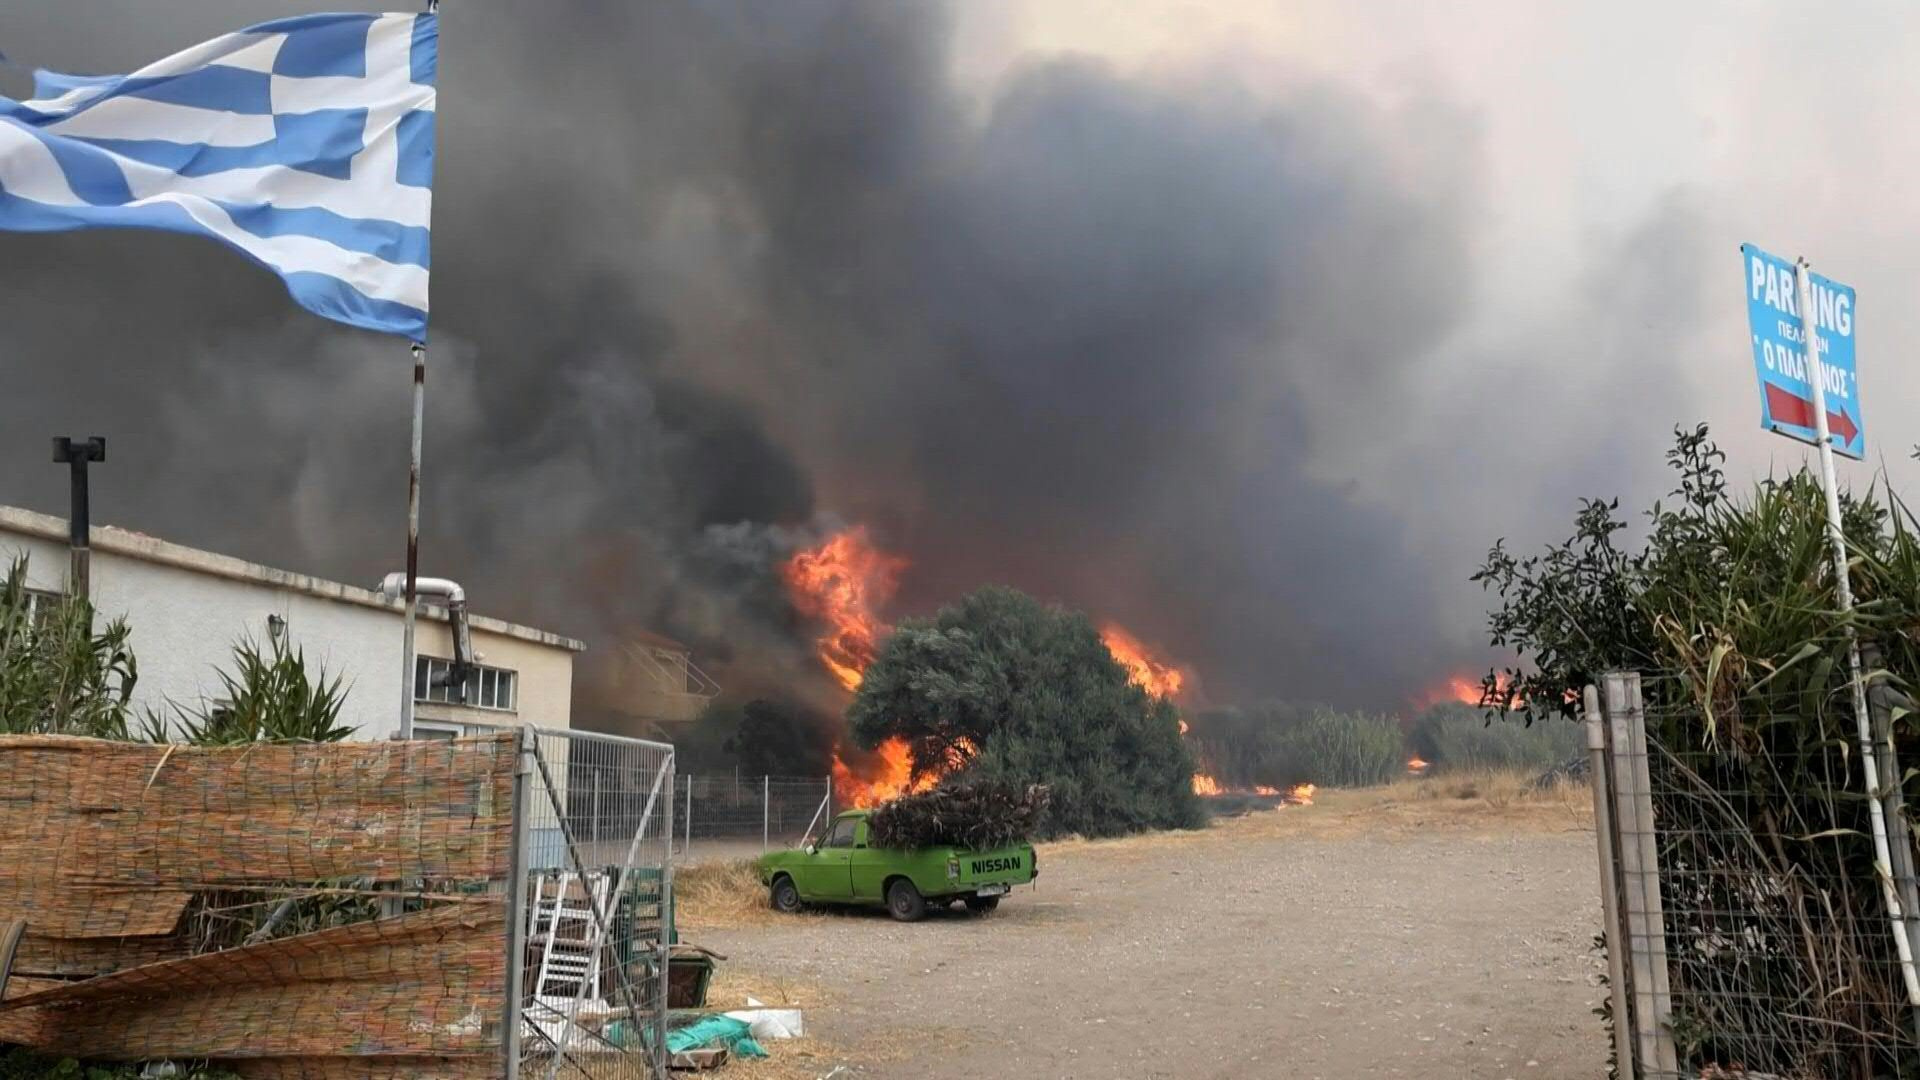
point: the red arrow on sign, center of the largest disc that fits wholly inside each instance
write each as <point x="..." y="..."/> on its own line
<point x="1787" y="407"/>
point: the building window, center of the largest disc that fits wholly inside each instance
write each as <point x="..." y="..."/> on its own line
<point x="487" y="687"/>
<point x="41" y="605"/>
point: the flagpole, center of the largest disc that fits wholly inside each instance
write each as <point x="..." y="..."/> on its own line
<point x="413" y="541"/>
<point x="407" y="662"/>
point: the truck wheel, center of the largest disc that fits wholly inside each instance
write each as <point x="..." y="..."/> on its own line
<point x="980" y="905"/>
<point x="785" y="896"/>
<point x="904" y="902"/>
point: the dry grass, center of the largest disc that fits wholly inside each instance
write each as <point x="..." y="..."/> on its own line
<point x="1494" y="789"/>
<point x="713" y="895"/>
<point x="1480" y="801"/>
<point x="1505" y="800"/>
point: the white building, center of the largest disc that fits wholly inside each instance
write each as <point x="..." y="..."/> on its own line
<point x="186" y="609"/>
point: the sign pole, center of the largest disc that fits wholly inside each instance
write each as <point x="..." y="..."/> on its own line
<point x="413" y="542"/>
<point x="1843" y="597"/>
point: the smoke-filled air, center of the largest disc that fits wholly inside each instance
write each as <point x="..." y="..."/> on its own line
<point x="783" y="286"/>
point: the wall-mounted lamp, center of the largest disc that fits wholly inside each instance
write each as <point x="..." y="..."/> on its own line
<point x="276" y="627"/>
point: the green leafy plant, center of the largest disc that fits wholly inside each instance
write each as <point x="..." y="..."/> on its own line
<point x="271" y="696"/>
<point x="1451" y="736"/>
<point x="59" y="674"/>
<point x="1337" y="749"/>
<point x="1728" y="609"/>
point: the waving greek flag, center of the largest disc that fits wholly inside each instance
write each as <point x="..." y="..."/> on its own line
<point x="306" y="144"/>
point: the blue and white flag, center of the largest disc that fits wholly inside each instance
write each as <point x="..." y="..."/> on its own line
<point x="306" y="144"/>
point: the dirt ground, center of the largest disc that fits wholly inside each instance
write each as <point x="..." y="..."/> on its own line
<point x="1405" y="933"/>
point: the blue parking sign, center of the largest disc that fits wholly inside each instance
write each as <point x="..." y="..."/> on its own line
<point x="1779" y="354"/>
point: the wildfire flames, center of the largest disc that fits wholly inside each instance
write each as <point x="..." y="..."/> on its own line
<point x="890" y="774"/>
<point x="1149" y="672"/>
<point x="1417" y="765"/>
<point x="1297" y="795"/>
<point x="1461" y="688"/>
<point x="842" y="582"/>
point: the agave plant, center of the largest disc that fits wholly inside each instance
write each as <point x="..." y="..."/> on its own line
<point x="58" y="674"/>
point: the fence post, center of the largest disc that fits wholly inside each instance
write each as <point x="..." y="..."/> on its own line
<point x="1618" y="942"/>
<point x="1882" y="700"/>
<point x="595" y="831"/>
<point x="686" y="844"/>
<point x="766" y="810"/>
<point x="659" y="1058"/>
<point x="1640" y="870"/>
<point x="516" y="900"/>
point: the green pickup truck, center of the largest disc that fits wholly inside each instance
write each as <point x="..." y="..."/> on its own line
<point x="843" y="869"/>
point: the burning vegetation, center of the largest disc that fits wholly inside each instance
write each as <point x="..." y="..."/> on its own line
<point x="1158" y="677"/>
<point x="842" y="582"/>
<point x="1466" y="690"/>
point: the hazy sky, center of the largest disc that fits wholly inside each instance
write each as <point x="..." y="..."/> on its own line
<point x="1248" y="324"/>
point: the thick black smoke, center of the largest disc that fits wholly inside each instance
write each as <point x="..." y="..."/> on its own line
<point x="710" y="277"/>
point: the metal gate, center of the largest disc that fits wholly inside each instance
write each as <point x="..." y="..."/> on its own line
<point x="592" y="880"/>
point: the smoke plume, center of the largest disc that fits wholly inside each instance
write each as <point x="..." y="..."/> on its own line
<point x="713" y="278"/>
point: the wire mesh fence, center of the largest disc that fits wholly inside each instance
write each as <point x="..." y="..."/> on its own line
<point x="594" y="926"/>
<point x="730" y="815"/>
<point x="1762" y="942"/>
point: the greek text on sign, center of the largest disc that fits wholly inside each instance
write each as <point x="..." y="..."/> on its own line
<point x="1780" y="358"/>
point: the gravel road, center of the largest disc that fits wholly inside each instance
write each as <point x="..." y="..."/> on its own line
<point x="1418" y="940"/>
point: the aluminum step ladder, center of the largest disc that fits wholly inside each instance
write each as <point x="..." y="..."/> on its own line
<point x="563" y="907"/>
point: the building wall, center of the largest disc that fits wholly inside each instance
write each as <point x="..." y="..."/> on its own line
<point x="184" y="622"/>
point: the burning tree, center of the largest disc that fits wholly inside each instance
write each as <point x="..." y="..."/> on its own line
<point x="1004" y="688"/>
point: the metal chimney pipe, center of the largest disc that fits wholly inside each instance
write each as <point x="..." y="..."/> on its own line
<point x="77" y="454"/>
<point x="453" y="597"/>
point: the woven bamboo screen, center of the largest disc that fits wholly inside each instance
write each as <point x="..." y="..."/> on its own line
<point x="301" y="911"/>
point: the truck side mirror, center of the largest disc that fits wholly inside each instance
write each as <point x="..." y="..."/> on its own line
<point x="812" y="850"/>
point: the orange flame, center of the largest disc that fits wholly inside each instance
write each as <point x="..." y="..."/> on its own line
<point x="1158" y="677"/>
<point x="1464" y="689"/>
<point x="1297" y="795"/>
<point x="890" y="775"/>
<point x="1416" y="764"/>
<point x="841" y="582"/>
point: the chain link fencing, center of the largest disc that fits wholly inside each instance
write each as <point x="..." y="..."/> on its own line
<point x="730" y="816"/>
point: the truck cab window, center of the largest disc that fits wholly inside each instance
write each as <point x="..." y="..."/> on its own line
<point x="842" y="835"/>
